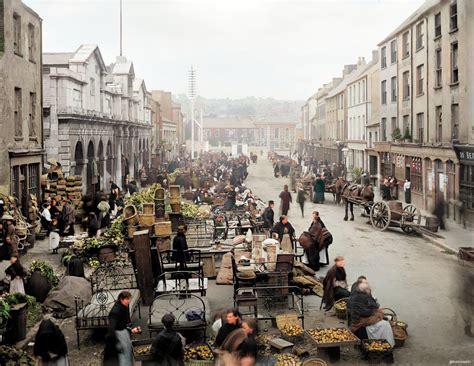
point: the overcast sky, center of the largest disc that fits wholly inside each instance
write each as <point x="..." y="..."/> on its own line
<point x="284" y="49"/>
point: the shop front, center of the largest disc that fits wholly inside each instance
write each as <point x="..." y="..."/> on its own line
<point x="465" y="154"/>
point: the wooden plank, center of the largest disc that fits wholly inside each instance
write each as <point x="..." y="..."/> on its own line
<point x="208" y="265"/>
<point x="141" y="242"/>
<point x="280" y="343"/>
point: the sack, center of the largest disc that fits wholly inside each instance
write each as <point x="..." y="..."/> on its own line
<point x="306" y="239"/>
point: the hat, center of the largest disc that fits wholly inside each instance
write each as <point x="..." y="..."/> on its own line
<point x="7" y="217"/>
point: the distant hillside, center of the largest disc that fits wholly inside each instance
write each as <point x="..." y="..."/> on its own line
<point x="258" y="108"/>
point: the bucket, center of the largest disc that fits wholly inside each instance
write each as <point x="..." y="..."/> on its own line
<point x="432" y="224"/>
<point x="106" y="254"/>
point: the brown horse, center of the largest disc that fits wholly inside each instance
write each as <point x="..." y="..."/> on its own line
<point x="336" y="189"/>
<point x="357" y="193"/>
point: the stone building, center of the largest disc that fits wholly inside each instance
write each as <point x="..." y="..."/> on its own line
<point x="277" y="135"/>
<point x="21" y="140"/>
<point x="228" y="131"/>
<point x="425" y="108"/>
<point x="97" y="118"/>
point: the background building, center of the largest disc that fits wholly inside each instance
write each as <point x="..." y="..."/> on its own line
<point x="97" y="117"/>
<point x="21" y="140"/>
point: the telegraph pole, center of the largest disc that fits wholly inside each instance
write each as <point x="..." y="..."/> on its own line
<point x="192" y="96"/>
<point x="120" y="27"/>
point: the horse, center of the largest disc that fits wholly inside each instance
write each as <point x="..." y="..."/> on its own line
<point x="336" y="189"/>
<point x="357" y="192"/>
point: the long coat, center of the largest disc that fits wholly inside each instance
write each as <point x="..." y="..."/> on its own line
<point x="285" y="201"/>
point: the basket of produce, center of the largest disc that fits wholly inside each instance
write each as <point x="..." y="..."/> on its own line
<point x="142" y="350"/>
<point x="332" y="337"/>
<point x="289" y="326"/>
<point x="341" y="308"/>
<point x="263" y="344"/>
<point x="377" y="351"/>
<point x="312" y="361"/>
<point x="287" y="359"/>
<point x="198" y="354"/>
<point x="399" y="327"/>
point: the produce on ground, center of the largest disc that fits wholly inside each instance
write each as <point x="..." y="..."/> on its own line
<point x="287" y="359"/>
<point x="201" y="352"/>
<point x="292" y="330"/>
<point x="142" y="350"/>
<point x="376" y="345"/>
<point x="263" y="341"/>
<point x="10" y="356"/>
<point x="331" y="335"/>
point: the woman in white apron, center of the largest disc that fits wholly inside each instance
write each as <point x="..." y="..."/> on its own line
<point x="17" y="274"/>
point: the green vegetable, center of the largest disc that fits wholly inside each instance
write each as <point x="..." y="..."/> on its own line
<point x="46" y="270"/>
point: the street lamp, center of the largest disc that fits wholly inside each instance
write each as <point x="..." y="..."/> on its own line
<point x="345" y="151"/>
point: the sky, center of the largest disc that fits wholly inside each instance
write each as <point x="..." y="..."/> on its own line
<point x="284" y="49"/>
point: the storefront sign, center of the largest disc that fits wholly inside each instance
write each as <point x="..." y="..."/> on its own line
<point x="465" y="153"/>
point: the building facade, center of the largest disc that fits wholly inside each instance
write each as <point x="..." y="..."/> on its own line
<point x="21" y="140"/>
<point x="425" y="113"/>
<point x="97" y="117"/>
<point x="277" y="135"/>
<point x="228" y="131"/>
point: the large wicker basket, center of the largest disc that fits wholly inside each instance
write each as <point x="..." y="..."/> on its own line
<point x="314" y="362"/>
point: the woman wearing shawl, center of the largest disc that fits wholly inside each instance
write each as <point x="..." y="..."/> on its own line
<point x="335" y="284"/>
<point x="50" y="345"/>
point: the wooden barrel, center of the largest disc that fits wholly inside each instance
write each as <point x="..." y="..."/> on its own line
<point x="432" y="224"/>
<point x="106" y="254"/>
<point x="396" y="209"/>
<point x="16" y="325"/>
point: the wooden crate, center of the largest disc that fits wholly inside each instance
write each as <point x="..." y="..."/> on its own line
<point x="163" y="228"/>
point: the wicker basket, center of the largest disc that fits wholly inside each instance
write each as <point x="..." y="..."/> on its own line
<point x="130" y="215"/>
<point x="148" y="208"/>
<point x="175" y="192"/>
<point x="162" y="228"/>
<point x="314" y="362"/>
<point x="175" y="207"/>
<point x="385" y="356"/>
<point x="199" y="363"/>
<point x="131" y="230"/>
<point x="146" y="219"/>
<point x="341" y="313"/>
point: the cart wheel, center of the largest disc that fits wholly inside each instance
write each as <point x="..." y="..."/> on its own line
<point x="380" y="215"/>
<point x="410" y="214"/>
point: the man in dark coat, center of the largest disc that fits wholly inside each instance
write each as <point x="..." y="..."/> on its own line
<point x="233" y="318"/>
<point x="180" y="245"/>
<point x="118" y="345"/>
<point x="286" y="199"/>
<point x="167" y="348"/>
<point x="269" y="215"/>
<point x="283" y="227"/>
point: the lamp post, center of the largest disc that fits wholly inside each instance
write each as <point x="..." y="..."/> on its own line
<point x="192" y="96"/>
<point x="345" y="151"/>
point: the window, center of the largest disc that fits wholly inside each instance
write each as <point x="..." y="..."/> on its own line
<point x="419" y="125"/>
<point x="406" y="121"/>
<point x="17" y="34"/>
<point x="416" y="174"/>
<point x="77" y="97"/>
<point x="453" y="14"/>
<point x="419" y="36"/>
<point x="393" y="83"/>
<point x="393" y="51"/>
<point x="439" y="123"/>
<point x="394" y="123"/>
<point x="384" y="57"/>
<point x="92" y="86"/>
<point x="32" y="116"/>
<point x="363" y="91"/>
<point x="467" y="185"/>
<point x="33" y="179"/>
<point x="17" y="113"/>
<point x="384" y="92"/>
<point x="276" y="132"/>
<point x="406" y="85"/>
<point x="419" y="80"/>
<point x="406" y="44"/>
<point x="31" y="43"/>
<point x="454" y="121"/>
<point x="439" y="71"/>
<point x="454" y="63"/>
<point x="384" y="129"/>
<point x="437" y="21"/>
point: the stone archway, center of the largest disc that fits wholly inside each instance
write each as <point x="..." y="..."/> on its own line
<point x="101" y="167"/>
<point x="109" y="165"/>
<point x="79" y="161"/>
<point x="92" y="171"/>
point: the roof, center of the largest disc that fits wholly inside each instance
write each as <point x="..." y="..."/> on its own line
<point x="123" y="66"/>
<point x="57" y="58"/>
<point x="228" y="122"/>
<point x="276" y="122"/>
<point x="137" y="84"/>
<point x="413" y="18"/>
<point x="85" y="51"/>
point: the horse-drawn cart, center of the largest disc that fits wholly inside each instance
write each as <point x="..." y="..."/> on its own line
<point x="392" y="213"/>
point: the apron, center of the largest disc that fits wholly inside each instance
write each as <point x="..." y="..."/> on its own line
<point x="17" y="285"/>
<point x="124" y="345"/>
<point x="53" y="240"/>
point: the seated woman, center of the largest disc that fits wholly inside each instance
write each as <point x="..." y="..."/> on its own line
<point x="335" y="284"/>
<point x="365" y="314"/>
